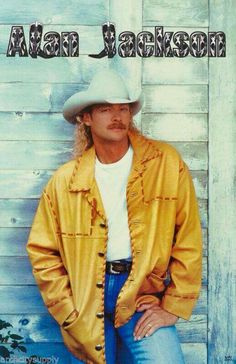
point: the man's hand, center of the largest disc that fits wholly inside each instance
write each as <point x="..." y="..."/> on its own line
<point x="152" y="319"/>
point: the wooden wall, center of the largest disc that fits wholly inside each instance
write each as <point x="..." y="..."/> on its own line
<point x="35" y="139"/>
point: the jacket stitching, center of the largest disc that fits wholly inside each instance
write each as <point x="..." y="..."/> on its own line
<point x="53" y="211"/>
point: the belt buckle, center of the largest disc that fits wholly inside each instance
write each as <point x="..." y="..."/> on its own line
<point x="112" y="270"/>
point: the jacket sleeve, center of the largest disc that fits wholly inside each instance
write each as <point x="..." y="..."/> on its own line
<point x="48" y="268"/>
<point x="186" y="257"/>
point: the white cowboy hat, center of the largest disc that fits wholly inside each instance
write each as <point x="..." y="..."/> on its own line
<point x="106" y="87"/>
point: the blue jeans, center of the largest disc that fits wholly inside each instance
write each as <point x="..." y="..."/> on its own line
<point x="162" y="347"/>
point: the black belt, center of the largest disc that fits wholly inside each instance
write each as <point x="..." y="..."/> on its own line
<point x="118" y="266"/>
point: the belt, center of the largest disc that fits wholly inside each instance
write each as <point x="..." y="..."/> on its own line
<point x="118" y="266"/>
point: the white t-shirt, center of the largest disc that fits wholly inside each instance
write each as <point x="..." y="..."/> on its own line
<point x="112" y="181"/>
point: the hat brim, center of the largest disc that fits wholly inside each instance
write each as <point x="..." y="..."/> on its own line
<point x="79" y="101"/>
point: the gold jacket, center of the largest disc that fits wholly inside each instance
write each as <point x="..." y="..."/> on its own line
<point x="67" y="244"/>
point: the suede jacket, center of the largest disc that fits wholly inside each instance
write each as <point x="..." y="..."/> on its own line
<point x="68" y="241"/>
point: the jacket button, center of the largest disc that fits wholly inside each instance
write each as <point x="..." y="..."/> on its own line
<point x="102" y="225"/>
<point x="99" y="285"/>
<point x="98" y="347"/>
<point x="100" y="315"/>
<point x="101" y="254"/>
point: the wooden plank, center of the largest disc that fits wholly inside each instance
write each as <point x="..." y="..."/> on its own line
<point x="181" y="71"/>
<point x="42" y="352"/>
<point x="19" y="212"/>
<point x="64" y="12"/>
<point x="51" y="97"/>
<point x="35" y="155"/>
<point x="222" y="196"/>
<point x="90" y="38"/>
<point x="30" y="183"/>
<point x="50" y="155"/>
<point x="193" y="353"/>
<point x="18" y="271"/>
<point x="176" y="99"/>
<point x="56" y="70"/>
<point x="19" y="300"/>
<point x="13" y="241"/>
<point x="36" y="97"/>
<point x="176" y="127"/>
<point x="22" y="125"/>
<point x="175" y="13"/>
<point x="43" y="328"/>
<point x="194" y="154"/>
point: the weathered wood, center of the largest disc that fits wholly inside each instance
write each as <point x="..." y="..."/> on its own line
<point x="193" y="353"/>
<point x="17" y="271"/>
<point x="22" y="126"/>
<point x="174" y="70"/>
<point x="43" y="328"/>
<point x="19" y="212"/>
<point x="66" y="12"/>
<point x="90" y="37"/>
<point x="44" y="352"/>
<point x="51" y="97"/>
<point x="27" y="299"/>
<point x="222" y="196"/>
<point x="175" y="99"/>
<point x="37" y="154"/>
<point x="50" y="155"/>
<point x="194" y="154"/>
<point x="175" y="13"/>
<point x="57" y="70"/>
<point x="13" y="241"/>
<point x="175" y="127"/>
<point x="30" y="183"/>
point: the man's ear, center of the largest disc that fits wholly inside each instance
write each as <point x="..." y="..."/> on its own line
<point x="86" y="118"/>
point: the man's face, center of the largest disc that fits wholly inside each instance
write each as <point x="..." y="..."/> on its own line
<point x="108" y="122"/>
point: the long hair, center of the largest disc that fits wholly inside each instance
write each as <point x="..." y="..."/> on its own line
<point x="83" y="137"/>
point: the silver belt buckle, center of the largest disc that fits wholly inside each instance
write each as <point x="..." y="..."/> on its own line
<point x="113" y="271"/>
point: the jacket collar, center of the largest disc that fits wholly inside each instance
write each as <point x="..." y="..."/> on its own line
<point x="82" y="178"/>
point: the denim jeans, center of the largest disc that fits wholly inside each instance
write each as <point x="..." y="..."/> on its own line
<point x="162" y="347"/>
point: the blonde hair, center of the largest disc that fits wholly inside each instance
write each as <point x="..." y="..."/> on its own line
<point x="83" y="137"/>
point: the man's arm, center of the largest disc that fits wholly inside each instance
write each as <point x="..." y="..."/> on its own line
<point x="48" y="268"/>
<point x="186" y="257"/>
<point x="185" y="265"/>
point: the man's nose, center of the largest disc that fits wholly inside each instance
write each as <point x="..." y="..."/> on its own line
<point x="116" y="114"/>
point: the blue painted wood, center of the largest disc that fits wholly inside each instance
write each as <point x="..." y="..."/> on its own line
<point x="17" y="271"/>
<point x="13" y="241"/>
<point x="50" y="12"/>
<point x="50" y="155"/>
<point x="43" y="328"/>
<point x="31" y="183"/>
<point x="171" y="99"/>
<point x="175" y="13"/>
<point x="57" y="70"/>
<point x="19" y="213"/>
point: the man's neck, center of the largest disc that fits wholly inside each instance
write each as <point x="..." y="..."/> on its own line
<point x="111" y="152"/>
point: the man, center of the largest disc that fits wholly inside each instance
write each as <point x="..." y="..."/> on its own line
<point x="116" y="241"/>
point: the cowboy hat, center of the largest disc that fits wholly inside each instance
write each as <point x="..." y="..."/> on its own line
<point x="106" y="87"/>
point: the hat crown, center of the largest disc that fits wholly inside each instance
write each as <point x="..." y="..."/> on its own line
<point x="109" y="84"/>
